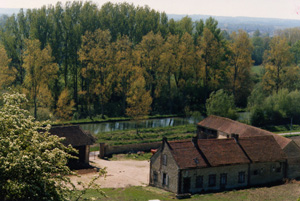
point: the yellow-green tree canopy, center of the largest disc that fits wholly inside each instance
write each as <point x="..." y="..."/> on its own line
<point x="40" y="70"/>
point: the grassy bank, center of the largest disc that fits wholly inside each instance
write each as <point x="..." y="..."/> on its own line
<point x="286" y="192"/>
<point x="147" y="135"/>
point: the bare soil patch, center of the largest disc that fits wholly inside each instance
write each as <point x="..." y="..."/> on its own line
<point x="120" y="174"/>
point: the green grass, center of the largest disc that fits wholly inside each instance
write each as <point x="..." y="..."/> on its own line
<point x="129" y="156"/>
<point x="283" y="128"/>
<point x="147" y="135"/>
<point x="286" y="192"/>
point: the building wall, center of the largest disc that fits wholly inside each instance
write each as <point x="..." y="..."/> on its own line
<point x="170" y="170"/>
<point x="292" y="151"/>
<point x="268" y="172"/>
<point x="232" y="173"/>
<point x="206" y="133"/>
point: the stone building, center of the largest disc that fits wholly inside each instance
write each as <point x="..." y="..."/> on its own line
<point x="220" y="127"/>
<point x="78" y="139"/>
<point x="201" y="165"/>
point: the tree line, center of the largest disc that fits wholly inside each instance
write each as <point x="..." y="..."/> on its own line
<point x="77" y="61"/>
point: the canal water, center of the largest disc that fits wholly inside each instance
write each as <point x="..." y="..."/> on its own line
<point x="97" y="128"/>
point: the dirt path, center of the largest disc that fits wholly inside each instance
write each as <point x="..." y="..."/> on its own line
<point x="119" y="173"/>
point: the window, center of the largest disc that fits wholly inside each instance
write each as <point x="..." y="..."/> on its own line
<point x="223" y="179"/>
<point x="241" y="177"/>
<point x="155" y="176"/>
<point x="164" y="159"/>
<point x="212" y="180"/>
<point x="199" y="181"/>
<point x="165" y="179"/>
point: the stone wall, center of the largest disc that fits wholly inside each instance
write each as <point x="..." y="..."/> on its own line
<point x="169" y="169"/>
<point x="107" y="150"/>
<point x="266" y="173"/>
<point x="232" y="174"/>
<point x="293" y="160"/>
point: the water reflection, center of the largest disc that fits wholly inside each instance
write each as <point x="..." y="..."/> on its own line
<point x="97" y="128"/>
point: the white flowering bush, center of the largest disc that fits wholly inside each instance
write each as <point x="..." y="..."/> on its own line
<point x="32" y="162"/>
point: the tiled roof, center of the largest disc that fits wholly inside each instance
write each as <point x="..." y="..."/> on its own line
<point x="222" y="152"/>
<point x="262" y="149"/>
<point x="186" y="154"/>
<point x="296" y="139"/>
<point x="74" y="135"/>
<point x="229" y="126"/>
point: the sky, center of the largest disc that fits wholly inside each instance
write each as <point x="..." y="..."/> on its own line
<point x="285" y="9"/>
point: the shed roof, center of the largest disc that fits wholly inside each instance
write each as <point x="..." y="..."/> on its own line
<point x="74" y="135"/>
<point x="229" y="126"/>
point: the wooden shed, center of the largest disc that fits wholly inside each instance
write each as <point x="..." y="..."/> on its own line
<point x="77" y="138"/>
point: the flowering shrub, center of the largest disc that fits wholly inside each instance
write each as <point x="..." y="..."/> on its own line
<point x="32" y="162"/>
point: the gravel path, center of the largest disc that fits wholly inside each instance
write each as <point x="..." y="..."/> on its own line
<point x="120" y="174"/>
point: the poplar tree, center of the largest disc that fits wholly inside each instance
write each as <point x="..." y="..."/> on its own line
<point x="40" y="70"/>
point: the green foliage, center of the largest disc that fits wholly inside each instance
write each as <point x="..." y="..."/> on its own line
<point x="32" y="162"/>
<point x="147" y="135"/>
<point x="98" y="53"/>
<point x="221" y="104"/>
<point x="278" y="108"/>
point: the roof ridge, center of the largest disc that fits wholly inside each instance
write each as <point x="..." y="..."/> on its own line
<point x="247" y="126"/>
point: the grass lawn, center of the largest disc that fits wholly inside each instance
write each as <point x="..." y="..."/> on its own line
<point x="290" y="191"/>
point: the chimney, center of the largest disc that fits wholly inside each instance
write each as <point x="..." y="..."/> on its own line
<point x="235" y="136"/>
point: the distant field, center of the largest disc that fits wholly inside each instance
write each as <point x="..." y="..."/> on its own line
<point x="147" y="135"/>
<point x="285" y="192"/>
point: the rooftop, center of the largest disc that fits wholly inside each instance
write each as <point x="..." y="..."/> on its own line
<point x="229" y="126"/>
<point x="220" y="152"/>
<point x="74" y="135"/>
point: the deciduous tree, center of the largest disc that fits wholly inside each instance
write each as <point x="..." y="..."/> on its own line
<point x="221" y="104"/>
<point x="7" y="74"/>
<point x="138" y="98"/>
<point x="241" y="63"/>
<point x="40" y="70"/>
<point x="276" y="60"/>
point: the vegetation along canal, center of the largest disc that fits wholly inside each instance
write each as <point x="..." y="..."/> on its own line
<point x="97" y="128"/>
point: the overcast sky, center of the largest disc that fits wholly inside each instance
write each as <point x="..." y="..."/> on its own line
<point x="286" y="9"/>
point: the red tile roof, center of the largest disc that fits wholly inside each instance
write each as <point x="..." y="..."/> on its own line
<point x="186" y="154"/>
<point x="222" y="152"/>
<point x="229" y="126"/>
<point x="262" y="149"/>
